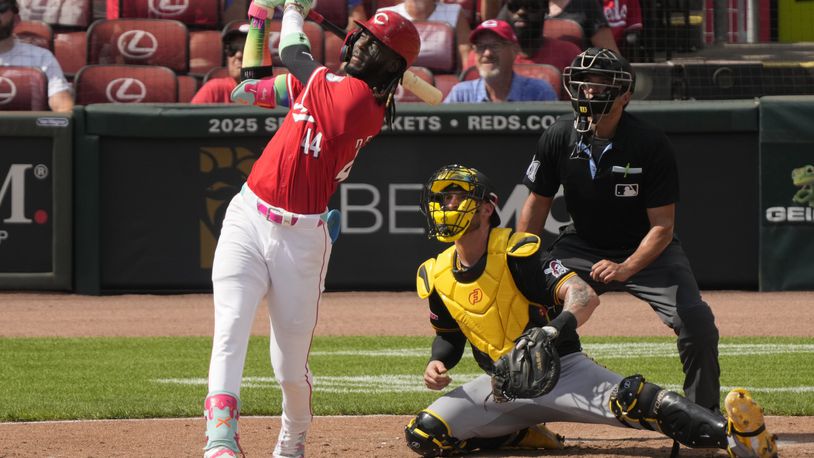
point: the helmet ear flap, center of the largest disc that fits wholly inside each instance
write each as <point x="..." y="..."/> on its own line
<point x="347" y="47"/>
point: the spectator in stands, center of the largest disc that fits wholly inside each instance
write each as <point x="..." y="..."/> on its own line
<point x="488" y="9"/>
<point x="589" y="15"/>
<point x="356" y="12"/>
<point x="64" y="12"/>
<point x="16" y="53"/>
<point x="527" y="18"/>
<point x="625" y="20"/>
<point x="435" y="10"/>
<point x="496" y="48"/>
<point x="218" y="90"/>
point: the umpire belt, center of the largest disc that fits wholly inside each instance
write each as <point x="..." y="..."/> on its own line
<point x="280" y="216"/>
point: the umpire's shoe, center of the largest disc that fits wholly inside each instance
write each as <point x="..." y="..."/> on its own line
<point x="535" y="438"/>
<point x="746" y="428"/>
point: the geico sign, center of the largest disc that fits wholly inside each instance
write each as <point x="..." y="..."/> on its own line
<point x="402" y="199"/>
<point x="167" y="7"/>
<point x="126" y="90"/>
<point x="13" y="185"/>
<point x="137" y="44"/>
<point x="8" y="90"/>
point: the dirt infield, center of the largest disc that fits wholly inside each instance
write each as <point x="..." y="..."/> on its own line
<point x="56" y="315"/>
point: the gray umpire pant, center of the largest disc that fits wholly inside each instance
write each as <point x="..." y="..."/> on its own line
<point x="669" y="286"/>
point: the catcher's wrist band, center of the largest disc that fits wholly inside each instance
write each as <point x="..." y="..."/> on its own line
<point x="565" y="320"/>
<point x="256" y="73"/>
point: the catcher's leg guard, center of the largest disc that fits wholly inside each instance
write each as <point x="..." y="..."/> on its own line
<point x="635" y="400"/>
<point x="221" y="411"/>
<point x="746" y="428"/>
<point x="429" y="435"/>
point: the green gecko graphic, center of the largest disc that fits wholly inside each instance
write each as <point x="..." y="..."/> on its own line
<point x="803" y="177"/>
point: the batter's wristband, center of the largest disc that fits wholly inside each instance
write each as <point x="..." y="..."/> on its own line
<point x="256" y="73"/>
<point x="565" y="320"/>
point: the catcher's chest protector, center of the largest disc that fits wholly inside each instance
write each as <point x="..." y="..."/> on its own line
<point x="491" y="311"/>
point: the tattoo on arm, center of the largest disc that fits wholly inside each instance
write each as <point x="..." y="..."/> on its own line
<point x="577" y="296"/>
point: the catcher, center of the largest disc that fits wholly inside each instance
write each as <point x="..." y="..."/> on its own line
<point x="519" y="309"/>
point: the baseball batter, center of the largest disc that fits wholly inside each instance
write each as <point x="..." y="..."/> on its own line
<point x="491" y="286"/>
<point x="620" y="182"/>
<point x="274" y="239"/>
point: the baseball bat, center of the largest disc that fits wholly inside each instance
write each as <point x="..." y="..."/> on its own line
<point x="424" y="90"/>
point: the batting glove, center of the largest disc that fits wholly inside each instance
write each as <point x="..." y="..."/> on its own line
<point x="302" y="5"/>
<point x="259" y="93"/>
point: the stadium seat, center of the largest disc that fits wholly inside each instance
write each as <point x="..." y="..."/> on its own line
<point x="70" y="49"/>
<point x="197" y="13"/>
<point x="546" y="72"/>
<point x="37" y="33"/>
<point x="469" y="73"/>
<point x="333" y="46"/>
<point x="444" y="83"/>
<point x="162" y="42"/>
<point x="566" y="30"/>
<point x="469" y="10"/>
<point x="23" y="89"/>
<point x="404" y="96"/>
<point x="438" y="48"/>
<point x="205" y="51"/>
<point x="187" y="87"/>
<point x="316" y="36"/>
<point x="64" y="13"/>
<point x="217" y="72"/>
<point x="335" y="11"/>
<point x="125" y="84"/>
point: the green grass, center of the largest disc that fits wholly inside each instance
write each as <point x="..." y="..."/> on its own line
<point x="92" y="378"/>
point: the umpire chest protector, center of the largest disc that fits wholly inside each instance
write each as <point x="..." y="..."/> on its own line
<point x="490" y="310"/>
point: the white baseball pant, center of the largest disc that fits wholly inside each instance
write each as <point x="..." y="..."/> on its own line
<point x="287" y="261"/>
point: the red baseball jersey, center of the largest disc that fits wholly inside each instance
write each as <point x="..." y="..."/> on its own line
<point x="331" y="118"/>
<point x="623" y="15"/>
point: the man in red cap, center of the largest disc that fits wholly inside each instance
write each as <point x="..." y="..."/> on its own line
<point x="275" y="240"/>
<point x="496" y="48"/>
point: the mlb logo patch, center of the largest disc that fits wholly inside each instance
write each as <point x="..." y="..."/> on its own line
<point x="627" y="190"/>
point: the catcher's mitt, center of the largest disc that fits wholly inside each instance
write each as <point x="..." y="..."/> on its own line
<point x="530" y="369"/>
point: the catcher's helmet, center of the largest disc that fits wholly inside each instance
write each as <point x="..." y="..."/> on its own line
<point x="594" y="80"/>
<point x="449" y="224"/>
<point x="390" y="28"/>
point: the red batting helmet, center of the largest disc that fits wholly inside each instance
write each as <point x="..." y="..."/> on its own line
<point x="396" y="32"/>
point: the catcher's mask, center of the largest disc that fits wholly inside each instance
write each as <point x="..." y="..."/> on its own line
<point x="469" y="187"/>
<point x="593" y="81"/>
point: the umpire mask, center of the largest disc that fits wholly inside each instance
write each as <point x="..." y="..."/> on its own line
<point x="450" y="199"/>
<point x="594" y="80"/>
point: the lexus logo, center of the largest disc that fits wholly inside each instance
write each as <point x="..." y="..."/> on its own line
<point x="137" y="44"/>
<point x="167" y="7"/>
<point x="126" y="90"/>
<point x="8" y="90"/>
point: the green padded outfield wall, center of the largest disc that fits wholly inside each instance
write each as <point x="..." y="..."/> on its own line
<point x="157" y="180"/>
<point x="786" y="193"/>
<point x="36" y="172"/>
